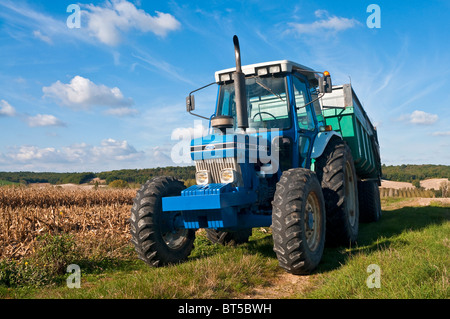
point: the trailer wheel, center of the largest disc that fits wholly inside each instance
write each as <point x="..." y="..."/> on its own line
<point x="156" y="239"/>
<point x="336" y="172"/>
<point x="298" y="221"/>
<point x="369" y="201"/>
<point x="228" y="238"/>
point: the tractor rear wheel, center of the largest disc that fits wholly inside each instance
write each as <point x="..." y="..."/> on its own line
<point x="154" y="234"/>
<point x="337" y="174"/>
<point x="228" y="238"/>
<point x="298" y="221"/>
<point x="369" y="201"/>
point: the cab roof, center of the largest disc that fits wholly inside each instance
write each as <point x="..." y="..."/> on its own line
<point x="272" y="67"/>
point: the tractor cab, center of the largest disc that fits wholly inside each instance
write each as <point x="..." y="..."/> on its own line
<point x="280" y="106"/>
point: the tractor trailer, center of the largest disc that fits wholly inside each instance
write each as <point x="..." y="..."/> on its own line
<point x="286" y="150"/>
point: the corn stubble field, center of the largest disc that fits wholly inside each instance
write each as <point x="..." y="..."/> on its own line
<point x="96" y="218"/>
<point x="43" y="230"/>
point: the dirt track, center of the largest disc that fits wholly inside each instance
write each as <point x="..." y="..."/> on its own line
<point x="285" y="286"/>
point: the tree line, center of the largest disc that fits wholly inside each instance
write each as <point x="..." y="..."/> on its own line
<point x="140" y="176"/>
<point x="46" y="177"/>
<point x="414" y="173"/>
<point x="136" y="176"/>
<point x="400" y="173"/>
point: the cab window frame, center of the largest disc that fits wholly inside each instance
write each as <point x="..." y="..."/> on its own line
<point x="231" y="106"/>
<point x="312" y="124"/>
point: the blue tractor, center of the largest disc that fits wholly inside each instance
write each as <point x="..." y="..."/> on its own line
<point x="270" y="159"/>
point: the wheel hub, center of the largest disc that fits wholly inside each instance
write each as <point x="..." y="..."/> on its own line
<point x="172" y="234"/>
<point x="310" y="220"/>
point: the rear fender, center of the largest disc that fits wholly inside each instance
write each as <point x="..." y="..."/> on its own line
<point x="321" y="141"/>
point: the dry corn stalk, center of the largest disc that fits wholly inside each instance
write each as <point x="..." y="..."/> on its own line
<point x="93" y="216"/>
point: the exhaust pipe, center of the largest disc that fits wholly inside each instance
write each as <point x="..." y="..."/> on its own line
<point x="239" y="89"/>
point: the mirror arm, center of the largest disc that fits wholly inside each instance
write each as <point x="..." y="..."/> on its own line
<point x="190" y="112"/>
<point x="202" y="87"/>
<point x="316" y="99"/>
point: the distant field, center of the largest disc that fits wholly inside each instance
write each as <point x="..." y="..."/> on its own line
<point x="432" y="183"/>
<point x="44" y="230"/>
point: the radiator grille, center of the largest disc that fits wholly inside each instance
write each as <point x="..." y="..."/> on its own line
<point x="215" y="165"/>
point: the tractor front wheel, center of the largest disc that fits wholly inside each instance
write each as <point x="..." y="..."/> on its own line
<point x="298" y="221"/>
<point x="154" y="234"/>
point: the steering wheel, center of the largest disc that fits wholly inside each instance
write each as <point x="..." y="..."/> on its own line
<point x="263" y="113"/>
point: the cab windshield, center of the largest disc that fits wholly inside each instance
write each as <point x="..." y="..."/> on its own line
<point x="267" y="102"/>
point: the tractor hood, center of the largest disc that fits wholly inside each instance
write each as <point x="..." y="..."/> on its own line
<point x="245" y="148"/>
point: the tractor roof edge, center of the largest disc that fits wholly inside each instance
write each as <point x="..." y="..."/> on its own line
<point x="284" y="66"/>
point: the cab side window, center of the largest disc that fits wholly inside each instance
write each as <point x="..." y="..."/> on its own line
<point x="304" y="116"/>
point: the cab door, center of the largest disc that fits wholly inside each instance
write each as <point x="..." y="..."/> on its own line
<point x="306" y="122"/>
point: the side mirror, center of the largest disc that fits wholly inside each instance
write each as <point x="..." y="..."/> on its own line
<point x="190" y="103"/>
<point x="325" y="85"/>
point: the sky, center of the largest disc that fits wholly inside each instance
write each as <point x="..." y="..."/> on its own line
<point x="106" y="89"/>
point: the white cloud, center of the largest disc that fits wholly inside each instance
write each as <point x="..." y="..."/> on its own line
<point x="110" y="154"/>
<point x="103" y="23"/>
<point x="83" y="93"/>
<point x="115" y="150"/>
<point x="33" y="121"/>
<point x="326" y="24"/>
<point x="42" y="37"/>
<point x="188" y="133"/>
<point x="121" y="111"/>
<point x="28" y="21"/>
<point x="44" y="120"/>
<point x="33" y="153"/>
<point x="321" y="13"/>
<point x="161" y="155"/>
<point x="446" y="133"/>
<point x="108" y="22"/>
<point x="422" y="118"/>
<point x="6" y="109"/>
<point x="181" y="152"/>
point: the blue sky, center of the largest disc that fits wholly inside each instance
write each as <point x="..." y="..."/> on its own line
<point x="111" y="94"/>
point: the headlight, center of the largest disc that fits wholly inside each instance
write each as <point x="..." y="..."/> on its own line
<point x="227" y="175"/>
<point x="202" y="177"/>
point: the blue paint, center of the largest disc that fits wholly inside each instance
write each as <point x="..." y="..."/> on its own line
<point x="227" y="207"/>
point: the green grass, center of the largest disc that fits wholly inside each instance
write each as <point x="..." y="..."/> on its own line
<point x="212" y="271"/>
<point x="7" y="183"/>
<point x="411" y="245"/>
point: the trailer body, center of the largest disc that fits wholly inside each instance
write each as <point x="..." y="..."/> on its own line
<point x="344" y="112"/>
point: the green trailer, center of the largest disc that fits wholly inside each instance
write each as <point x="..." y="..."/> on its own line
<point x="343" y="111"/>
